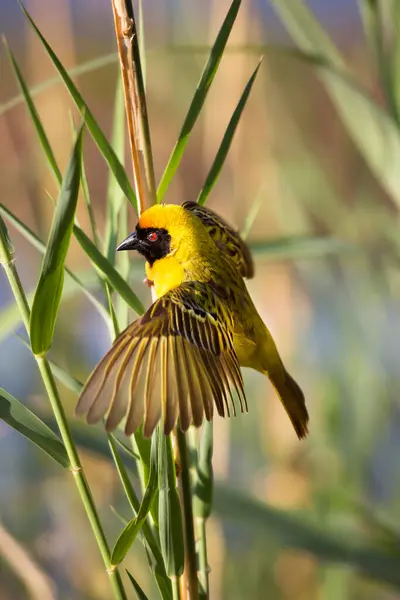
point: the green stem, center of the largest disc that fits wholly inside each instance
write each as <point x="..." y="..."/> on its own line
<point x="55" y="401"/>
<point x="185" y="489"/>
<point x="135" y="505"/>
<point x="176" y="594"/>
<point x="200" y="524"/>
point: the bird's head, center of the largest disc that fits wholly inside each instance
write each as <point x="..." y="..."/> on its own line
<point x="161" y="231"/>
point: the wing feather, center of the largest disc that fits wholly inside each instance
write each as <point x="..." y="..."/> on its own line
<point x="175" y="361"/>
<point x="227" y="240"/>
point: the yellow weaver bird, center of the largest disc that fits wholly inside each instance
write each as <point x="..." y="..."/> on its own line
<point x="184" y="354"/>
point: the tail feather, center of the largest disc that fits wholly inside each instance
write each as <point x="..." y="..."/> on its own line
<point x="292" y="399"/>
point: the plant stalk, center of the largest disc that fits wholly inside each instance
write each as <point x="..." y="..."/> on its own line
<point x="176" y="595"/>
<point x="6" y="259"/>
<point x="200" y="527"/>
<point x="185" y="493"/>
<point x="135" y="103"/>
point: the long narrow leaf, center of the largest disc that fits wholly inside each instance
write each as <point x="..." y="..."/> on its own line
<point x="41" y="247"/>
<point x="199" y="97"/>
<point x="300" y="247"/>
<point x="20" y="418"/>
<point x="112" y="275"/>
<point x="10" y="316"/>
<point x="202" y="502"/>
<point x="114" y="196"/>
<point x="60" y="373"/>
<point x="92" y="125"/>
<point x="87" y="67"/>
<point x="372" y="129"/>
<point x="48" y="293"/>
<point x="150" y="542"/>
<point x="226" y="141"/>
<point x="169" y="509"/>
<point x="294" y="532"/>
<point x="34" y="116"/>
<point x="129" y="533"/>
<point x="138" y="590"/>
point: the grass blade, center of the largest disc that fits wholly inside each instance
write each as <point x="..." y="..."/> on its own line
<point x="86" y="67"/>
<point x="299" y="247"/>
<point x="199" y="97"/>
<point x="298" y="533"/>
<point x="140" y="595"/>
<point x="202" y="502"/>
<point x="114" y="196"/>
<point x="112" y="275"/>
<point x="34" y="116"/>
<point x="41" y="247"/>
<point x="169" y="509"/>
<point x="48" y="293"/>
<point x="98" y="136"/>
<point x="129" y="533"/>
<point x="10" y="317"/>
<point x="226" y="141"/>
<point x="20" y="418"/>
<point x="89" y="205"/>
<point x="149" y="540"/>
<point x="372" y="129"/>
<point x="59" y="373"/>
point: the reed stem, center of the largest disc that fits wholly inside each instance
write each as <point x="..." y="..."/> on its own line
<point x="185" y="493"/>
<point x="6" y="259"/>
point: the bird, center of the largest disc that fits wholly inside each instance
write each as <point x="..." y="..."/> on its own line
<point x="182" y="358"/>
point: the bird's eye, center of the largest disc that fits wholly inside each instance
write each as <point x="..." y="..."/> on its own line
<point x="152" y="236"/>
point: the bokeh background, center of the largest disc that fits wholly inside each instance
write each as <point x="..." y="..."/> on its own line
<point x="335" y="319"/>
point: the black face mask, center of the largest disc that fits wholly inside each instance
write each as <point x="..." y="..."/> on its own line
<point x="152" y="243"/>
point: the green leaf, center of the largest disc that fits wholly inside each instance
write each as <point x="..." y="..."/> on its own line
<point x="20" y="418"/>
<point x="139" y="592"/>
<point x="141" y="41"/>
<point x="299" y="533"/>
<point x="129" y="533"/>
<point x="114" y="196"/>
<point x="88" y="202"/>
<point x="376" y="32"/>
<point x="34" y="116"/>
<point x="202" y="502"/>
<point x="60" y="373"/>
<point x="41" y="247"/>
<point x="92" y="125"/>
<point x="86" y="67"/>
<point x="199" y="97"/>
<point x="123" y="475"/>
<point x="149" y="541"/>
<point x="112" y="275"/>
<point x="10" y="316"/>
<point x="49" y="290"/>
<point x="8" y="247"/>
<point x="373" y="131"/>
<point x="169" y="509"/>
<point x="125" y="447"/>
<point x="226" y="141"/>
<point x="299" y="247"/>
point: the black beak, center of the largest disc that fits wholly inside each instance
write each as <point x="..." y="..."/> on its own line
<point x="131" y="243"/>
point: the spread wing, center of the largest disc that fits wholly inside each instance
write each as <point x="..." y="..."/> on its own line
<point x="226" y="239"/>
<point x="176" y="360"/>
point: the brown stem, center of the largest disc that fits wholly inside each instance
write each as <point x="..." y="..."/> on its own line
<point x="135" y="103"/>
<point x="185" y="494"/>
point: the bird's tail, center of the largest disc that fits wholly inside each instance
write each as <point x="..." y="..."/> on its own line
<point x="292" y="399"/>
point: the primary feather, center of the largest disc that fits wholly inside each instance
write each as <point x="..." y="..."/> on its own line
<point x="183" y="356"/>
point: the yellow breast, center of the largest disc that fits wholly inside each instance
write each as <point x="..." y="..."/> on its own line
<point x="166" y="274"/>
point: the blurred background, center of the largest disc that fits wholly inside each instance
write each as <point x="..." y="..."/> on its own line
<point x="335" y="319"/>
